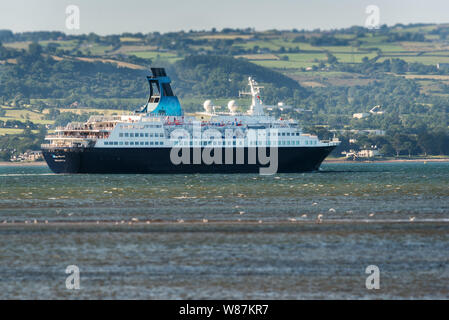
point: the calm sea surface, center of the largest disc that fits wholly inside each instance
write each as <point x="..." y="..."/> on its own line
<point x="227" y="236"/>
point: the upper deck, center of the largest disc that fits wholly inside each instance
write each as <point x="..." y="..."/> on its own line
<point x="160" y="121"/>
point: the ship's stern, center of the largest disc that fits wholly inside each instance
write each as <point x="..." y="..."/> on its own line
<point x="62" y="160"/>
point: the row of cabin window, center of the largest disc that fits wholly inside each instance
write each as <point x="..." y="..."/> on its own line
<point x="283" y="143"/>
<point x="133" y="143"/>
<point x="286" y="134"/>
<point x="142" y="135"/>
<point x="142" y="127"/>
<point x="256" y="143"/>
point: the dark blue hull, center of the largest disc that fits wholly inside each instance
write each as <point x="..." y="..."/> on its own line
<point x="157" y="160"/>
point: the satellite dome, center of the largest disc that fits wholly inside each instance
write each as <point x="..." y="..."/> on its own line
<point x="208" y="106"/>
<point x="232" y="106"/>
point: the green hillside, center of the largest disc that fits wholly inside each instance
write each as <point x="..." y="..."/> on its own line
<point x="325" y="75"/>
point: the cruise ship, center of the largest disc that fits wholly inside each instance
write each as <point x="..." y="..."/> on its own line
<point x="159" y="138"/>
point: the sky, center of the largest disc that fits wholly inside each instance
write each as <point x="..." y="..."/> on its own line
<point x="118" y="16"/>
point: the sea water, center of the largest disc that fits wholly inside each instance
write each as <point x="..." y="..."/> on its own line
<point x="236" y="236"/>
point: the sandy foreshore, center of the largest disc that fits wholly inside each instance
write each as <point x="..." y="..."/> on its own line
<point x="23" y="164"/>
<point x="386" y="160"/>
<point x="306" y="221"/>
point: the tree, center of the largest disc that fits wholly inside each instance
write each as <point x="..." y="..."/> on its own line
<point x="398" y="66"/>
<point x="409" y="146"/>
<point x="34" y="49"/>
<point x="5" y="155"/>
<point x="441" y="142"/>
<point x="387" y="150"/>
<point x="425" y="142"/>
<point x="331" y="59"/>
<point x="398" y="143"/>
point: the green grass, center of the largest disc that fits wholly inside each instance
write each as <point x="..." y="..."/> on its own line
<point x="284" y="64"/>
<point x="66" y="45"/>
<point x="415" y="29"/>
<point x="24" y="115"/>
<point x="124" y="101"/>
<point x="295" y="61"/>
<point x="38" y="118"/>
<point x="17" y="45"/>
<point x="93" y="110"/>
<point x="385" y="47"/>
<point x="171" y="57"/>
<point x="271" y="45"/>
<point x="97" y="50"/>
<point x="130" y="39"/>
<point x="353" y="58"/>
<point x="370" y="39"/>
<point x="429" y="60"/>
<point x="5" y="131"/>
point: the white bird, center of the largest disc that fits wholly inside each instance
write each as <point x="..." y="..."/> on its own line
<point x="332" y="210"/>
<point x="371" y="215"/>
<point x="134" y="220"/>
<point x="205" y="221"/>
<point x="260" y="221"/>
<point x="148" y="222"/>
<point x="412" y="219"/>
<point x="242" y="212"/>
<point x="291" y="219"/>
<point x="180" y="221"/>
<point x="304" y="216"/>
<point x="319" y="218"/>
<point x="35" y="221"/>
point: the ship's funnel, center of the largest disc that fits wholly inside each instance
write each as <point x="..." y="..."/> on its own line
<point x="162" y="100"/>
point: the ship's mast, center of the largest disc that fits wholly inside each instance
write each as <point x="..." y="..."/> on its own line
<point x="256" y="103"/>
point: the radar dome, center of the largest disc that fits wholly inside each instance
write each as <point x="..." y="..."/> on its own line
<point x="208" y="106"/>
<point x="232" y="106"/>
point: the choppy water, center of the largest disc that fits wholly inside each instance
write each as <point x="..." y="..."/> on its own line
<point x="227" y="236"/>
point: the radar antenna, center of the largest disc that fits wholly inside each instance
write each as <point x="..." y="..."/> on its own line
<point x="256" y="103"/>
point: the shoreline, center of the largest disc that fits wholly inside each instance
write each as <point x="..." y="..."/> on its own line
<point x="387" y="160"/>
<point x="159" y="222"/>
<point x="23" y="164"/>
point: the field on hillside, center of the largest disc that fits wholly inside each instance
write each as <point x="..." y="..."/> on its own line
<point x="278" y="50"/>
<point x="312" y="58"/>
<point x="25" y="114"/>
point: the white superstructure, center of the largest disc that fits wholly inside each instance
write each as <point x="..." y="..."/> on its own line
<point x="231" y="129"/>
